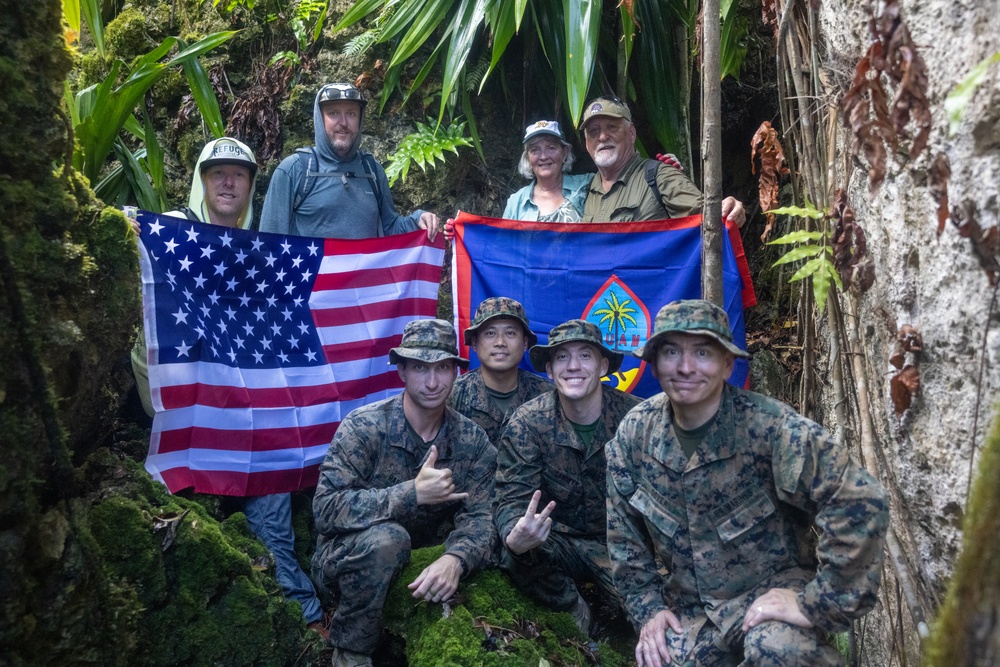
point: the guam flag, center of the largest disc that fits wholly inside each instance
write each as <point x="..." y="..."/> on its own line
<point x="616" y="275"/>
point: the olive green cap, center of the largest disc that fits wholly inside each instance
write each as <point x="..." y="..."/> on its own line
<point x="696" y="317"/>
<point x="612" y="107"/>
<point x="500" y="306"/>
<point x="428" y="340"/>
<point x="574" y="331"/>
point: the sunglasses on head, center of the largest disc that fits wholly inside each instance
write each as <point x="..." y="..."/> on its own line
<point x="339" y="91"/>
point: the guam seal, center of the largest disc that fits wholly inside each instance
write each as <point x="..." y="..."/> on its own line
<point x="626" y="325"/>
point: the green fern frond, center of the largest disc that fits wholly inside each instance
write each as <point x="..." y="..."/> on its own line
<point x="425" y="147"/>
<point x="475" y="74"/>
<point x="358" y="45"/>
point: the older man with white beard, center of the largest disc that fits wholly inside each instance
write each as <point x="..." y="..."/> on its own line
<point x="623" y="189"/>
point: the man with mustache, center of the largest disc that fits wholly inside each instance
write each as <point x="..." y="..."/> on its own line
<point x="621" y="191"/>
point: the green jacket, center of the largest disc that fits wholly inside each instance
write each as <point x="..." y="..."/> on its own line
<point x="630" y="198"/>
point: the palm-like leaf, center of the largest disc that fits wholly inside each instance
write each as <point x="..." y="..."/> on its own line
<point x="583" y="26"/>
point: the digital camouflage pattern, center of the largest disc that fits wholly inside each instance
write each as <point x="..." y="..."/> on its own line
<point x="573" y="331"/>
<point x="367" y="515"/>
<point x="470" y="397"/>
<point x="500" y="306"/>
<point x="430" y="341"/>
<point x="733" y="521"/>
<point x="539" y="449"/>
<point x="703" y="318"/>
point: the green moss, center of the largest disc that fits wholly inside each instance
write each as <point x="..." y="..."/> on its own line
<point x="967" y="628"/>
<point x="435" y="638"/>
<point x="128" y="35"/>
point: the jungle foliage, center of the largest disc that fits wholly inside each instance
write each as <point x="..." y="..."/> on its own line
<point x="640" y="50"/>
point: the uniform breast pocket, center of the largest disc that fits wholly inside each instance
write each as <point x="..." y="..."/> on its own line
<point x="625" y="214"/>
<point x="746" y="519"/>
<point x="565" y="494"/>
<point x="654" y="512"/>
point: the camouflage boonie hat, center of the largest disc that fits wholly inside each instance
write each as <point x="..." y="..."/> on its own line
<point x="428" y="340"/>
<point x="500" y="306"/>
<point x="702" y="318"/>
<point x="612" y="107"/>
<point x="574" y="331"/>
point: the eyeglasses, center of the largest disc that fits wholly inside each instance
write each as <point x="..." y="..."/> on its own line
<point x="340" y="91"/>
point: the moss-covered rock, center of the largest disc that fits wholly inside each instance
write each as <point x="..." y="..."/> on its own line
<point x="489" y="622"/>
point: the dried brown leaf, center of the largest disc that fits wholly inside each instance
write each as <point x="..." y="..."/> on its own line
<point x="937" y="180"/>
<point x="850" y="246"/>
<point x="255" y="118"/>
<point x="772" y="166"/>
<point x="985" y="242"/>
<point x="902" y="386"/>
<point x="866" y="112"/>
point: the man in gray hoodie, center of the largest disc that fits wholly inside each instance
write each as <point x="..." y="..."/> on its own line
<point x="333" y="189"/>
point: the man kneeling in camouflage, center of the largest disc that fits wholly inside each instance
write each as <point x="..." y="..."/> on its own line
<point x="712" y="491"/>
<point x="403" y="472"/>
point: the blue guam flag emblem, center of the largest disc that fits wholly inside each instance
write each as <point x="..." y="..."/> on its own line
<point x="625" y="323"/>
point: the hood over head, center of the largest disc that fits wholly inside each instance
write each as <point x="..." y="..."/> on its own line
<point x="332" y="92"/>
<point x="223" y="151"/>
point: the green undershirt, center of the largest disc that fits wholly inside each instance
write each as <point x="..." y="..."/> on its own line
<point x="502" y="399"/>
<point x="586" y="431"/>
<point x="689" y="440"/>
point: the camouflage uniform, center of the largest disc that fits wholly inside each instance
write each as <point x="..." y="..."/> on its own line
<point x="540" y="450"/>
<point x="366" y="502"/>
<point x="469" y="396"/>
<point x="733" y="522"/>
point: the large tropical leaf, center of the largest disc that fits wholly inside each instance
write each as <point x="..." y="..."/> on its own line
<point x="104" y="109"/>
<point x="656" y="61"/>
<point x="358" y="11"/>
<point x="502" y="23"/>
<point x="204" y="96"/>
<point x="423" y="27"/>
<point x="468" y="19"/>
<point x="552" y="40"/>
<point x="582" y="20"/>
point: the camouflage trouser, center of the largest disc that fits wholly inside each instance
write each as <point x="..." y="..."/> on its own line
<point x="362" y="566"/>
<point x="548" y="573"/>
<point x="770" y="644"/>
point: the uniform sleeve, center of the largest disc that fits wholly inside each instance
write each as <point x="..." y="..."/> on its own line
<point x="392" y="221"/>
<point x="814" y="473"/>
<point x="474" y="537"/>
<point x="633" y="564"/>
<point x="519" y="473"/>
<point x="681" y="197"/>
<point x="344" y="500"/>
<point x="277" y="213"/>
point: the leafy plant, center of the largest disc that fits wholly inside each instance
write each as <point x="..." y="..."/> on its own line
<point x="91" y="12"/>
<point x="100" y="112"/>
<point x="578" y="49"/>
<point x="425" y="147"/>
<point x="305" y="29"/>
<point x="836" y="254"/>
<point x="813" y="246"/>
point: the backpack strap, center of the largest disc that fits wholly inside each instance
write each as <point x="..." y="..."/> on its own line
<point x="190" y="214"/>
<point x="308" y="181"/>
<point x="652" y="166"/>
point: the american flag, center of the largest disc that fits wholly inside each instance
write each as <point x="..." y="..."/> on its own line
<point x="259" y="344"/>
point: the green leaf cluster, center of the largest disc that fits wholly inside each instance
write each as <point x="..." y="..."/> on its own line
<point x="425" y="147"/>
<point x="579" y="45"/>
<point x="101" y="112"/>
<point x="813" y="248"/>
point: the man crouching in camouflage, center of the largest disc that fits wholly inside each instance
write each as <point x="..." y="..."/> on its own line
<point x="551" y="455"/>
<point x="711" y="494"/>
<point x="405" y="471"/>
